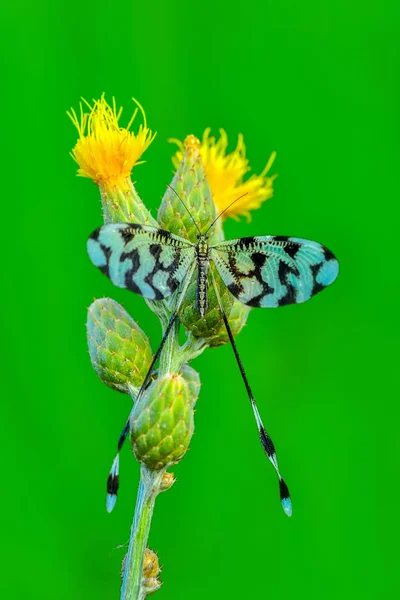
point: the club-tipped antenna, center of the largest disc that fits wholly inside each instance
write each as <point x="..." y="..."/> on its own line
<point x="224" y="211"/>
<point x="190" y="214"/>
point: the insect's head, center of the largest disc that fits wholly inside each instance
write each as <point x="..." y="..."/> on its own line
<point x="202" y="237"/>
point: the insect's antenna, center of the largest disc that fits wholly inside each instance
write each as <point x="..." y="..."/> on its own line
<point x="113" y="477"/>
<point x="266" y="441"/>
<point x="224" y="211"/>
<point x="190" y="214"/>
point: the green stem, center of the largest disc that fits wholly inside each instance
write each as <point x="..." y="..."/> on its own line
<point x="149" y="487"/>
<point x="171" y="360"/>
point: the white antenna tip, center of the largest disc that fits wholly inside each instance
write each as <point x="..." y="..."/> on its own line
<point x="111" y="502"/>
<point x="287" y="506"/>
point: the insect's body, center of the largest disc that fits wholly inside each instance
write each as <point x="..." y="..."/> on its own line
<point x="202" y="259"/>
<point x="262" y="271"/>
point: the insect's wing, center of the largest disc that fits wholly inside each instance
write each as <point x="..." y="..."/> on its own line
<point x="146" y="260"/>
<point x="273" y="271"/>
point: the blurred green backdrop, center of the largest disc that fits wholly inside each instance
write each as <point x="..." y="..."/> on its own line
<point x="316" y="82"/>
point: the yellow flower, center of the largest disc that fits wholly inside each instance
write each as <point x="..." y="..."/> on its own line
<point x="106" y="152"/>
<point x="225" y="174"/>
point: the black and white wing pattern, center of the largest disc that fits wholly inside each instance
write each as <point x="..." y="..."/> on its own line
<point x="272" y="271"/>
<point x="146" y="260"/>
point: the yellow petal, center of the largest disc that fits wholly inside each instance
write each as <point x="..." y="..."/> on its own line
<point x="225" y="173"/>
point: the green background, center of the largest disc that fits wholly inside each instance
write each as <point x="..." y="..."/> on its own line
<point x="316" y="82"/>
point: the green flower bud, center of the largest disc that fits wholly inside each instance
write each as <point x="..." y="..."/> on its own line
<point x="191" y="184"/>
<point x="119" y="350"/>
<point x="162" y="423"/>
<point x="237" y="320"/>
<point x="212" y="323"/>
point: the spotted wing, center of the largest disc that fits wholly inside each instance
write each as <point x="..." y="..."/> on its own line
<point x="273" y="271"/>
<point x="146" y="260"/>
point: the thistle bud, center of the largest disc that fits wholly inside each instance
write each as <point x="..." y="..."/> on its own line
<point x="162" y="423"/>
<point x="191" y="184"/>
<point x="211" y="324"/>
<point x="119" y="350"/>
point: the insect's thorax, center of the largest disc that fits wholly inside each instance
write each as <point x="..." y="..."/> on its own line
<point x="202" y="257"/>
<point x="202" y="248"/>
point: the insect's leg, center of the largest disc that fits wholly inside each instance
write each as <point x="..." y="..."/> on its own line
<point x="113" y="477"/>
<point x="265" y="439"/>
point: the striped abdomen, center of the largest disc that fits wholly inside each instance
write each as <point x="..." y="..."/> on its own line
<point x="202" y="287"/>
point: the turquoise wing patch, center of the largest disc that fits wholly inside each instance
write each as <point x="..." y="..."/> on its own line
<point x="148" y="261"/>
<point x="272" y="271"/>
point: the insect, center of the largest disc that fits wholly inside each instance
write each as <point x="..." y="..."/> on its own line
<point x="266" y="272"/>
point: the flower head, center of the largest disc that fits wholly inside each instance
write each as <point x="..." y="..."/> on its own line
<point x="106" y="152"/>
<point x="225" y="174"/>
